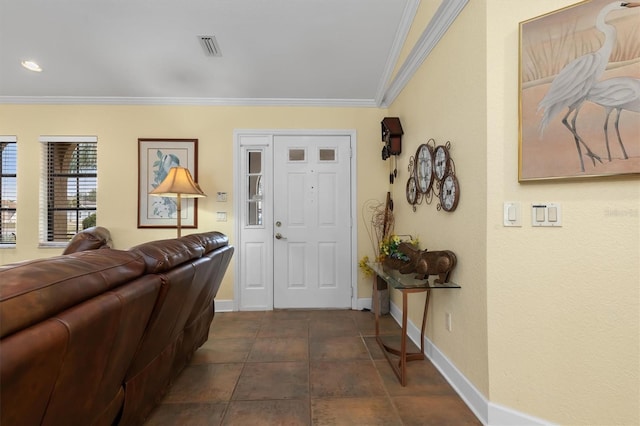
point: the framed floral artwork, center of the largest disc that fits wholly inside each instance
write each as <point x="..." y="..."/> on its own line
<point x="155" y="159"/>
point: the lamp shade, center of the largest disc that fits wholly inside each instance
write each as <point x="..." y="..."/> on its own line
<point x="178" y="182"/>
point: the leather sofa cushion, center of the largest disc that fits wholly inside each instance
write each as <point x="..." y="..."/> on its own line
<point x="31" y="361"/>
<point x="163" y="255"/>
<point x="70" y="368"/>
<point x="34" y="290"/>
<point x="209" y="240"/>
<point x="92" y="238"/>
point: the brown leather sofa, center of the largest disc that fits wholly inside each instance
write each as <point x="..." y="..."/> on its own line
<point x="96" y="337"/>
<point x="92" y="238"/>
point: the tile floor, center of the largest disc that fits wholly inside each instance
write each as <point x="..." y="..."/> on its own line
<point x="305" y="367"/>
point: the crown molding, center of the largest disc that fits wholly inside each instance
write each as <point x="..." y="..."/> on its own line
<point x="439" y="24"/>
<point x="408" y="15"/>
<point x="284" y="102"/>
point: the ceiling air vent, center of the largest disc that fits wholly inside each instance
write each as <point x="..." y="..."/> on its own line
<point x="210" y="45"/>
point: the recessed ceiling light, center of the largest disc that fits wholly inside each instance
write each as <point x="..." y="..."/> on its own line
<point x="31" y="66"/>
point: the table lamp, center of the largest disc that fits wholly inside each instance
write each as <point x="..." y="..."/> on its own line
<point x="180" y="184"/>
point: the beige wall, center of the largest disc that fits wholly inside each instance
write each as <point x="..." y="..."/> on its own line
<point x="564" y="304"/>
<point x="118" y="129"/>
<point x="447" y="102"/>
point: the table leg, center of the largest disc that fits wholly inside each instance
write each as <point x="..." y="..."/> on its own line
<point x="400" y="368"/>
<point x="374" y="289"/>
<point x="403" y="342"/>
<point x="424" y="320"/>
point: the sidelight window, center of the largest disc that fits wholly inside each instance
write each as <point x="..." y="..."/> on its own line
<point x="255" y="187"/>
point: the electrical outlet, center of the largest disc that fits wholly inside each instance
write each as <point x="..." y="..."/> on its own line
<point x="447" y="320"/>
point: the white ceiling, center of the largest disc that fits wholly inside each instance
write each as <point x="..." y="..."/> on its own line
<point x="325" y="52"/>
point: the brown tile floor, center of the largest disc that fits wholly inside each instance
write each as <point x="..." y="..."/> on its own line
<point x="305" y="367"/>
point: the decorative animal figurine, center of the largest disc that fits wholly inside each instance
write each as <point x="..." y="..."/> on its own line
<point x="425" y="263"/>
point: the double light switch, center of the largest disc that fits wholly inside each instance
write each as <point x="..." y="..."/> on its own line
<point x="546" y="214"/>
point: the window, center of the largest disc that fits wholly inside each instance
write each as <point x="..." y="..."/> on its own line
<point x="8" y="189"/>
<point x="69" y="187"/>
<point x="296" y="154"/>
<point x="255" y="187"/>
<point x="327" y="154"/>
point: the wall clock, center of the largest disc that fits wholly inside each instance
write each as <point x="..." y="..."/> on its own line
<point x="424" y="168"/>
<point x="412" y="191"/>
<point x="449" y="193"/>
<point x="441" y="161"/>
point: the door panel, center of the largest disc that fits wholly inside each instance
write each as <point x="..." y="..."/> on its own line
<point x="255" y="255"/>
<point x="312" y="258"/>
<point x="327" y="255"/>
<point x="297" y="261"/>
<point x="295" y="192"/>
<point x="327" y="208"/>
<point x="254" y="274"/>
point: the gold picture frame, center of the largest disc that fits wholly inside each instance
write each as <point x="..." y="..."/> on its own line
<point x="578" y="69"/>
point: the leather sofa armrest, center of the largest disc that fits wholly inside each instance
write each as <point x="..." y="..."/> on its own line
<point x="92" y="238"/>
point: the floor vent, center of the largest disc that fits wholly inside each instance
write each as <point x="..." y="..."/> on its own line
<point x="210" y="45"/>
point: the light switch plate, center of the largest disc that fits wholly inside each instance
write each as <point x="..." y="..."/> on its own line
<point x="512" y="214"/>
<point x="221" y="216"/>
<point x="546" y="214"/>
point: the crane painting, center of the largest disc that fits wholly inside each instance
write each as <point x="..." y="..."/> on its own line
<point x="617" y="93"/>
<point x="579" y="67"/>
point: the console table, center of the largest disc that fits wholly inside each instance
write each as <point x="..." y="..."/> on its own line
<point x="406" y="284"/>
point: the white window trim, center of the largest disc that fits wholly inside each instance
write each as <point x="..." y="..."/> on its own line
<point x="6" y="138"/>
<point x="79" y="139"/>
<point x="43" y="186"/>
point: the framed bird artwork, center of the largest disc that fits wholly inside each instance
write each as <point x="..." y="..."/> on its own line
<point x="156" y="158"/>
<point x="579" y="92"/>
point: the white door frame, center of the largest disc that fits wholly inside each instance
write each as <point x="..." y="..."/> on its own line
<point x="237" y="206"/>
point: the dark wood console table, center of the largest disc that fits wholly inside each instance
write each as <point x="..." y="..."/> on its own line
<point x="406" y="284"/>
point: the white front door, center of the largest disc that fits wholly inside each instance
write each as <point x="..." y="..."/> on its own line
<point x="307" y="195"/>
<point x="312" y="221"/>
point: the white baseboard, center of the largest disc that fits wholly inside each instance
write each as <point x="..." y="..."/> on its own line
<point x="488" y="413"/>
<point x="505" y="416"/>
<point x="227" y="305"/>
<point x="224" y="305"/>
<point x="365" y="303"/>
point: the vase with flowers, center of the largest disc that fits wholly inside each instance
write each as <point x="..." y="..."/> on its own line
<point x="390" y="255"/>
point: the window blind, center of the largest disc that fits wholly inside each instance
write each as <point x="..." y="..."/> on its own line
<point x="8" y="189"/>
<point x="69" y="186"/>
